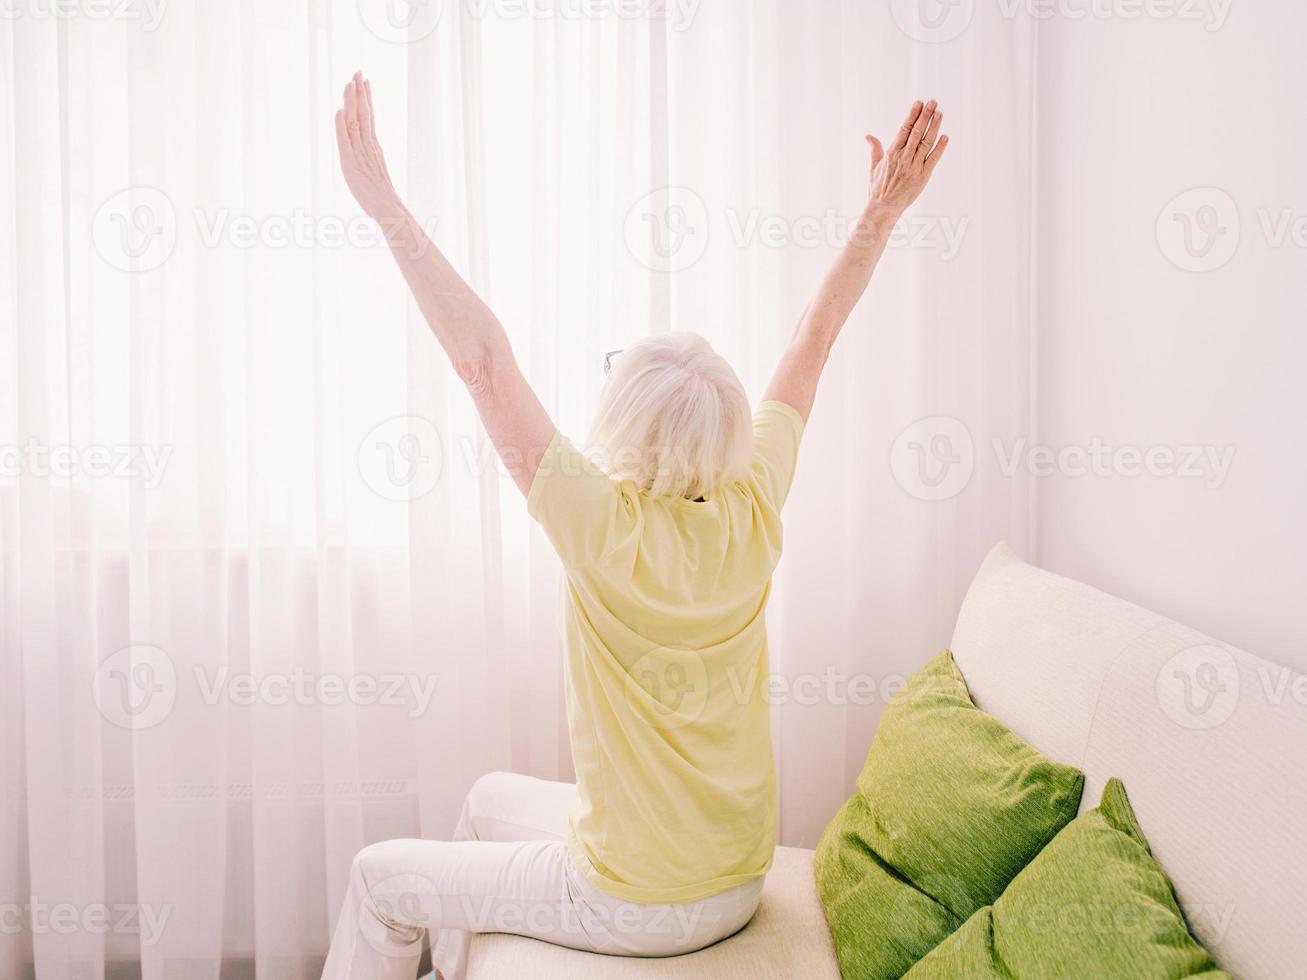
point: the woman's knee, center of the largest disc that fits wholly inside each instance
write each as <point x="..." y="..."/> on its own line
<point x="377" y="862"/>
<point x="386" y="873"/>
<point x="389" y="887"/>
<point x="492" y="786"/>
<point x="490" y="793"/>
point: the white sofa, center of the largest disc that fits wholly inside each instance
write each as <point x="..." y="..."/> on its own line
<point x="1210" y="742"/>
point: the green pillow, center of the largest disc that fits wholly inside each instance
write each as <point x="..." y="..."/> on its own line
<point x="1093" y="904"/>
<point x="950" y="806"/>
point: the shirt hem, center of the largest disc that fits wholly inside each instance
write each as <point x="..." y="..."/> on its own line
<point x="677" y="895"/>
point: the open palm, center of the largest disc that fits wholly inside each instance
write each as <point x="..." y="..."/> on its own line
<point x="361" y="159"/>
<point x="899" y="176"/>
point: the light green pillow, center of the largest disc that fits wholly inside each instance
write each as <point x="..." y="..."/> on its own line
<point x="1093" y="904"/>
<point x="950" y="806"/>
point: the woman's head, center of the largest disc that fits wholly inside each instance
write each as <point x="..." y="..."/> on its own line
<point x="673" y="418"/>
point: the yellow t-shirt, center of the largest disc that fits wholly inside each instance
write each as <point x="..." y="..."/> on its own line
<point x="666" y="668"/>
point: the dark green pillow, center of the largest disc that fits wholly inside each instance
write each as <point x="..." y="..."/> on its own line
<point x="950" y="806"/>
<point x="1093" y="904"/>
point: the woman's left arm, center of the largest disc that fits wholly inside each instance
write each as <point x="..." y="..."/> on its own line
<point x="469" y="332"/>
<point x="897" y="178"/>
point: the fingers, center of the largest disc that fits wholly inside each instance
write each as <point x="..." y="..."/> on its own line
<point x="372" y="126"/>
<point x="372" y="115"/>
<point x="877" y="151"/>
<point x="342" y="136"/>
<point x="352" y="120"/>
<point x="931" y="134"/>
<point x="919" y="127"/>
<point x="933" y="160"/>
<point x="360" y="122"/>
<point x="905" y="131"/>
<point x="367" y="124"/>
<point x="364" y="103"/>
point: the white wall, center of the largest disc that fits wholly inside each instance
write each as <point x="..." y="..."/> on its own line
<point x="1134" y="350"/>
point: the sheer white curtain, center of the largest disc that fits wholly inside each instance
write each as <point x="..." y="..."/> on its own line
<point x="265" y="595"/>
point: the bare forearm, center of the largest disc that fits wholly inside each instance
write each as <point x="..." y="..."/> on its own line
<point x="847" y="280"/>
<point x="464" y="325"/>
<point x="469" y="332"/>
<point x="802" y="363"/>
<point x="896" y="180"/>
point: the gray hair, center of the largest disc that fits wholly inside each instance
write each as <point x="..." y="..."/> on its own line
<point x="673" y="418"/>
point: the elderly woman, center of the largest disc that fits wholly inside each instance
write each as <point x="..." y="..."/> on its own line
<point x="668" y="542"/>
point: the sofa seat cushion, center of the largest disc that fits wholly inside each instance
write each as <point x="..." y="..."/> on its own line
<point x="786" y="938"/>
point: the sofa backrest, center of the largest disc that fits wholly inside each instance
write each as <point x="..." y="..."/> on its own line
<point x="1210" y="742"/>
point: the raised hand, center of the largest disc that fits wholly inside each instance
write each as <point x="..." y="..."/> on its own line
<point x="361" y="159"/>
<point x="898" y="177"/>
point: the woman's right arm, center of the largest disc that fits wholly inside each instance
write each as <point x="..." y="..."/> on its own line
<point x="897" y="178"/>
<point x="469" y="332"/>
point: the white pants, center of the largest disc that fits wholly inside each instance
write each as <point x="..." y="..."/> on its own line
<point x="507" y="870"/>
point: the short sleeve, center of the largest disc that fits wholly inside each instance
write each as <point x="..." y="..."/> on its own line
<point x="777" y="430"/>
<point x="584" y="512"/>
